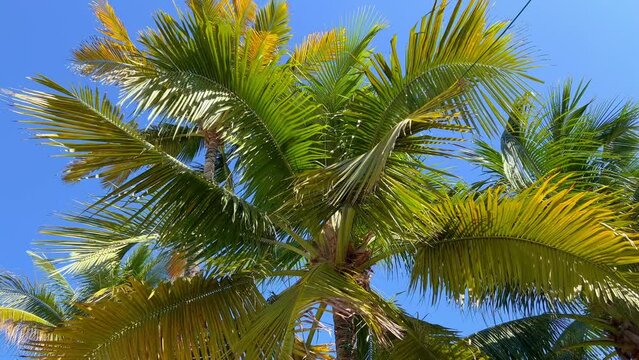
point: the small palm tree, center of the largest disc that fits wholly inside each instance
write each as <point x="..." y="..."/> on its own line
<point x="597" y="145"/>
<point x="30" y="311"/>
<point x="317" y="167"/>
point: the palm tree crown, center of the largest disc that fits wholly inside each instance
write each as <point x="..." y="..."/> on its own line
<point x="317" y="166"/>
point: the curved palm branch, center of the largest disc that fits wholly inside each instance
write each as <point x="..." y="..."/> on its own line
<point x="191" y="317"/>
<point x="541" y="247"/>
<point x="442" y="52"/>
<point x="94" y="132"/>
<point x="272" y="333"/>
<point x="424" y="341"/>
<point x="190" y="73"/>
<point x="33" y="298"/>
<point x="545" y="336"/>
<point x="563" y="134"/>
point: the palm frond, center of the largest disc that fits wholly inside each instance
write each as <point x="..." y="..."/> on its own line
<point x="274" y="18"/>
<point x="191" y="77"/>
<point x="594" y="142"/>
<point x="533" y="337"/>
<point x="272" y="331"/>
<point x="545" y="336"/>
<point x="109" y="57"/>
<point x="35" y="299"/>
<point x="191" y="317"/>
<point x="8" y="314"/>
<point x="58" y="281"/>
<point x="442" y="52"/>
<point x="94" y="132"/>
<point x="331" y="63"/>
<point x="424" y="341"/>
<point x="20" y="326"/>
<point x="542" y="247"/>
<point x="386" y="171"/>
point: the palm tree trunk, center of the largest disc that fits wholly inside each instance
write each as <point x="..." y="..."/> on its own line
<point x="344" y="324"/>
<point x="212" y="143"/>
<point x="626" y="338"/>
<point x="344" y="327"/>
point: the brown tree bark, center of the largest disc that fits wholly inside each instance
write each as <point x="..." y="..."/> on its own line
<point x="212" y="143"/>
<point x="344" y="328"/>
<point x="627" y="339"/>
<point x="344" y="324"/>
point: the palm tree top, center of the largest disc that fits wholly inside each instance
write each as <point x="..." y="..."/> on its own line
<point x="248" y="161"/>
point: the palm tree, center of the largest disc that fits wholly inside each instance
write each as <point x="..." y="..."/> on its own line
<point x="597" y="145"/>
<point x="31" y="310"/>
<point x="317" y="168"/>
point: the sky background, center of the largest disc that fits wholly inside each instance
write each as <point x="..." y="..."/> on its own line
<point x="590" y="39"/>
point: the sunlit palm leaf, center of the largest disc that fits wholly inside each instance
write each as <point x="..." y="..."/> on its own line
<point x="272" y="332"/>
<point x="545" y="336"/>
<point x="541" y="247"/>
<point x="561" y="133"/>
<point x="442" y="52"/>
<point x="191" y="76"/>
<point x="31" y="298"/>
<point x="529" y="338"/>
<point x="94" y="132"/>
<point x="425" y="341"/>
<point x="190" y="317"/>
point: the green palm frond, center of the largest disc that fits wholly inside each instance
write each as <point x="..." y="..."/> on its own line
<point x="272" y="332"/>
<point x="35" y="299"/>
<point x="331" y="64"/>
<point x="442" y="52"/>
<point x="191" y="76"/>
<point x="585" y="339"/>
<point x="533" y="337"/>
<point x="191" y="317"/>
<point x="211" y="68"/>
<point x="424" y="341"/>
<point x="142" y="264"/>
<point x="95" y="134"/>
<point x="95" y="240"/>
<point x="565" y="107"/>
<point x="545" y="336"/>
<point x="181" y="142"/>
<point x="561" y="133"/>
<point x="386" y="183"/>
<point x="541" y="247"/>
<point x="349" y="181"/>
<point x="86" y="254"/>
<point x="57" y="280"/>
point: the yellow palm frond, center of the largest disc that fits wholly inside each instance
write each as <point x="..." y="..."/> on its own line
<point x="107" y="58"/>
<point x="195" y="317"/>
<point x="542" y="247"/>
<point x="261" y="46"/>
<point x="112" y="26"/>
<point x="8" y="314"/>
<point x="211" y="10"/>
<point x="274" y="18"/>
<point x="319" y="47"/>
<point x="243" y="12"/>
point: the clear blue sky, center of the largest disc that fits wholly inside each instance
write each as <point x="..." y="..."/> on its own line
<point x="584" y="39"/>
